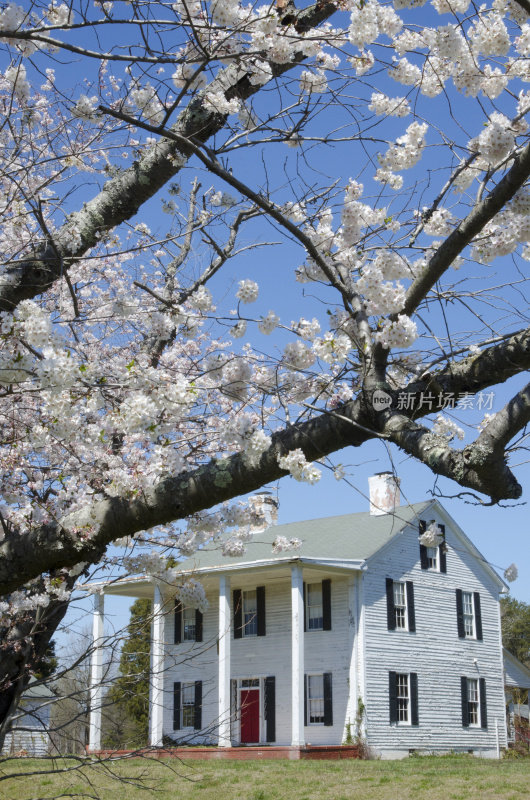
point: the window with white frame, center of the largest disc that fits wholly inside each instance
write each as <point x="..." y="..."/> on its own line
<point x="315" y="699"/>
<point x="432" y="558"/>
<point x="189" y="617"/>
<point x="468" y="614"/>
<point x="403" y="697"/>
<point x="314" y="607"/>
<point x="473" y="702"/>
<point x="188" y="705"/>
<point x="400" y="604"/>
<point x="250" y="613"/>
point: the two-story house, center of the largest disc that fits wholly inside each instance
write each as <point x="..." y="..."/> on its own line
<point x="361" y="630"/>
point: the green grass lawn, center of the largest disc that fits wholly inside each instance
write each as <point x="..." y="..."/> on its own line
<point x="426" y="778"/>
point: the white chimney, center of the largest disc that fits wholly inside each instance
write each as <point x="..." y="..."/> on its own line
<point x="268" y="506"/>
<point x="384" y="493"/>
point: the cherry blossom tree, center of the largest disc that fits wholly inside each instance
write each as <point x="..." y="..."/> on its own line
<point x="384" y="144"/>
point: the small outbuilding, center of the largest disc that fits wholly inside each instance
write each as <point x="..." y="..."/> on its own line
<point x="516" y="686"/>
<point x="29" y="733"/>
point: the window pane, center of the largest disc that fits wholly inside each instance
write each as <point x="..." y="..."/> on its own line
<point x="188" y="624"/>
<point x="402" y="694"/>
<point x="250" y="609"/>
<point x="400" y="604"/>
<point x="472" y="700"/>
<point x="315" y="699"/>
<point x="467" y="605"/>
<point x="188" y="705"/>
<point x="432" y="557"/>
<point x="247" y="683"/>
<point x="315" y="619"/>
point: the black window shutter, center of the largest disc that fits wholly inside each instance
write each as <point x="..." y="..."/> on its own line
<point x="328" y="699"/>
<point x="460" y="615"/>
<point x="197" y="711"/>
<point x="176" y="706"/>
<point x="424" y="561"/>
<point x="305" y="607"/>
<point x="326" y="604"/>
<point x="465" y="708"/>
<point x="442" y="551"/>
<point x="392" y="697"/>
<point x="270" y="708"/>
<point x="390" y="610"/>
<point x="260" y="609"/>
<point x="305" y="699"/>
<point x="483" y="708"/>
<point x="198" y="625"/>
<point x="414" y="718"/>
<point x="410" y="607"/>
<point x="177" y="634"/>
<point x="238" y="613"/>
<point x="478" y="615"/>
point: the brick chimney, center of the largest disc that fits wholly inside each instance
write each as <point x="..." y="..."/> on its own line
<point x="384" y="493"/>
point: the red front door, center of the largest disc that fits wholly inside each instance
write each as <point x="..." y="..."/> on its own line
<point x="249" y="716"/>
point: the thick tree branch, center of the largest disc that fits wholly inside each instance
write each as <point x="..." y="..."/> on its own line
<point x="462" y="236"/>
<point x="507" y="423"/>
<point x="493" y="365"/>
<point x="481" y="468"/>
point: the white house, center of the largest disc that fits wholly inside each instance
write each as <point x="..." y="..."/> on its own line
<point x="360" y="630"/>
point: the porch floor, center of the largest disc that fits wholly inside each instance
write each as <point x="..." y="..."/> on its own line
<point x="246" y="753"/>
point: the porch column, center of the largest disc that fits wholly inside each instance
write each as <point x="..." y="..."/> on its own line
<point x="297" y="657"/>
<point x="224" y="662"/>
<point x="156" y="717"/>
<point x="96" y="674"/>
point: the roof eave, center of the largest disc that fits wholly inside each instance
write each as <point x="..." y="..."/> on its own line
<point x="334" y="564"/>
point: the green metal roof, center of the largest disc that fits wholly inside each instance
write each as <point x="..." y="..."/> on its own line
<point x="348" y="537"/>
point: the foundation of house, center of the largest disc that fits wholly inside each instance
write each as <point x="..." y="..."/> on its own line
<point x="247" y="753"/>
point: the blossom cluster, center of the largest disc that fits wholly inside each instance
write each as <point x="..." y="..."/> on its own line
<point x="191" y="594"/>
<point x="301" y="470"/>
<point x="282" y="544"/>
<point x="432" y="536"/>
<point x="248" y="291"/>
<point x="404" y="154"/>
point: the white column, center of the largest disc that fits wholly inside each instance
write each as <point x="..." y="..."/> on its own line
<point x="156" y="716"/>
<point x="297" y="656"/>
<point x="96" y="674"/>
<point x="361" y="646"/>
<point x="353" y="628"/>
<point x="224" y="661"/>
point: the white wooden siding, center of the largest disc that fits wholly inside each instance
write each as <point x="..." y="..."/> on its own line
<point x="35" y="740"/>
<point x="262" y="656"/>
<point x="434" y="651"/>
<point x="515" y="673"/>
